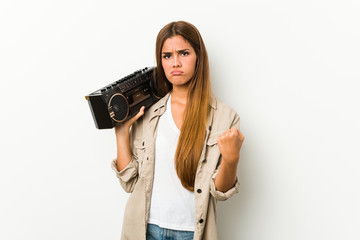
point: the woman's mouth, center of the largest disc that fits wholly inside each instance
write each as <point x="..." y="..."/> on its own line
<point x="177" y="72"/>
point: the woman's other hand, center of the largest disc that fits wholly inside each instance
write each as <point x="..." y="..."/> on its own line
<point x="229" y="144"/>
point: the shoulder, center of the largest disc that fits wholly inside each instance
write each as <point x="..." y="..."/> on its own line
<point x="223" y="109"/>
<point x="223" y="115"/>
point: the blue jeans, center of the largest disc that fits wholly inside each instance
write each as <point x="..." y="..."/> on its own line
<point x="154" y="232"/>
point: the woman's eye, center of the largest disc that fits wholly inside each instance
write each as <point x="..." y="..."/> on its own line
<point x="166" y="56"/>
<point x="185" y="54"/>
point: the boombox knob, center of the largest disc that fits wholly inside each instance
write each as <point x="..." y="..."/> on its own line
<point x="118" y="107"/>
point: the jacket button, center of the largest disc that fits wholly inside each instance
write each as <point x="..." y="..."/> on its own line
<point x="199" y="190"/>
<point x="201" y="220"/>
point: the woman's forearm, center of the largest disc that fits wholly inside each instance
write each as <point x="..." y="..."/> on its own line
<point x="122" y="134"/>
<point x="226" y="177"/>
<point x="229" y="145"/>
<point x="123" y="150"/>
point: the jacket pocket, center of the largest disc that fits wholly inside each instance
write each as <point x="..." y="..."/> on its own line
<point x="212" y="152"/>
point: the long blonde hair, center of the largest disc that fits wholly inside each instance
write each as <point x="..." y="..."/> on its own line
<point x="193" y="131"/>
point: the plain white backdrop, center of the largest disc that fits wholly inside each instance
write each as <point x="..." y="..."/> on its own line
<point x="289" y="68"/>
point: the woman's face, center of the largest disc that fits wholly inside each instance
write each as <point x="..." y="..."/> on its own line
<point x="178" y="59"/>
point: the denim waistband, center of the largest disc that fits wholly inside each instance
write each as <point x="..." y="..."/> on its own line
<point x="154" y="232"/>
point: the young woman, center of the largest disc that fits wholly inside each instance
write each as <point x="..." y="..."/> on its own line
<point x="180" y="156"/>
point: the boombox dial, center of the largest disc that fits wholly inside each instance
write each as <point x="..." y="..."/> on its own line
<point x="118" y="107"/>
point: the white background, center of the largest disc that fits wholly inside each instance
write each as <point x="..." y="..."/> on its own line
<point x="289" y="68"/>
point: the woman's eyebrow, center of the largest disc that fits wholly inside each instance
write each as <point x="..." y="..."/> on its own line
<point x="179" y="51"/>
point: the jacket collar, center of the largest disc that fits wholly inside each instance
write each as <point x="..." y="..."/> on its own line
<point x="212" y="102"/>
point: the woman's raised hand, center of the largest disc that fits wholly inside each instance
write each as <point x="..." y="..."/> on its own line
<point x="229" y="144"/>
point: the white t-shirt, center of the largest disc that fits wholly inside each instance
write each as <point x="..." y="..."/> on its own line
<point x="172" y="206"/>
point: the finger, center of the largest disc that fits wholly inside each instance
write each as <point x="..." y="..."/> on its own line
<point x="221" y="138"/>
<point x="235" y="130"/>
<point x="137" y="116"/>
<point x="241" y="135"/>
<point x="230" y="132"/>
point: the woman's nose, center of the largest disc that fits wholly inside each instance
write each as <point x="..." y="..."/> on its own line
<point x="176" y="61"/>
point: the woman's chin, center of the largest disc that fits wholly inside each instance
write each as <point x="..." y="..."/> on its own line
<point x="179" y="82"/>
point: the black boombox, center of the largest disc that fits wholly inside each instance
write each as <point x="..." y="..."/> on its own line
<point x="122" y="99"/>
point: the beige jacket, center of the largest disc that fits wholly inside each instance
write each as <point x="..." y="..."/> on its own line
<point x="137" y="177"/>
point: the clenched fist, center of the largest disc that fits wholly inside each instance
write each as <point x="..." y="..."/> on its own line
<point x="229" y="144"/>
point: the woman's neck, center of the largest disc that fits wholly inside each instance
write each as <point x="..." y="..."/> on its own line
<point x="178" y="104"/>
<point x="179" y="95"/>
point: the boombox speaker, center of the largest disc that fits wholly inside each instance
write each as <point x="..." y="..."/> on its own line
<point x="122" y="99"/>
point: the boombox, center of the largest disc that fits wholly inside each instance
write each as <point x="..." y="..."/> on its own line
<point x="122" y="99"/>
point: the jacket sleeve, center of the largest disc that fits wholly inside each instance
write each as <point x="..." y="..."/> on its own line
<point x="218" y="195"/>
<point x="128" y="176"/>
<point x="222" y="196"/>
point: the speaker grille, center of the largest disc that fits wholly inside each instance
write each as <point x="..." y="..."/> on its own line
<point x="118" y="107"/>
